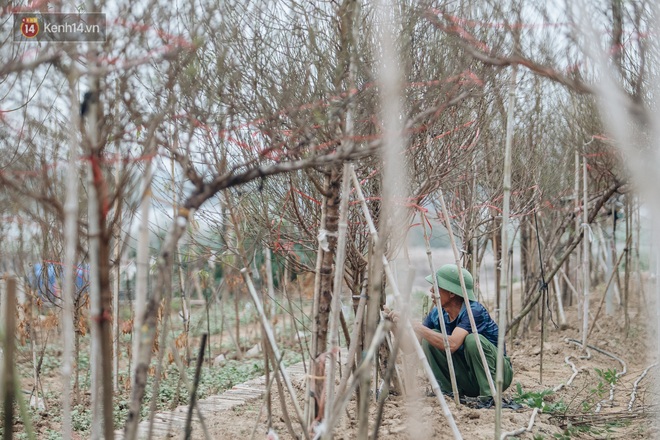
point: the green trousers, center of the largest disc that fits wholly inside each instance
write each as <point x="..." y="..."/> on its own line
<point x="471" y="376"/>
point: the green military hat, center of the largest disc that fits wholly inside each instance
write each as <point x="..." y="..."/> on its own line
<point x="448" y="279"/>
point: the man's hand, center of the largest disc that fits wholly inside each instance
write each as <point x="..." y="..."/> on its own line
<point x="395" y="317"/>
<point x="418" y="327"/>
<point x="391" y="315"/>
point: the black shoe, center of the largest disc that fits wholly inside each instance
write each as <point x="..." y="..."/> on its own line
<point x="431" y="393"/>
<point x="489" y="402"/>
<point x="510" y="404"/>
<point x="485" y="403"/>
<point x="448" y="396"/>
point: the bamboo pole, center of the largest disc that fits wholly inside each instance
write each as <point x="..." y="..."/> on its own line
<point x="406" y="329"/>
<point x="563" y="257"/>
<point x="605" y="259"/>
<point x="117" y="275"/>
<point x="355" y="340"/>
<point x="271" y="299"/>
<point x="457" y="259"/>
<point x="284" y="283"/>
<point x="115" y="312"/>
<point x="560" y="304"/>
<point x="372" y="315"/>
<point x="70" y="267"/>
<point x="475" y="270"/>
<point x="9" y="387"/>
<point x="363" y="368"/>
<point x="626" y="278"/>
<point x="33" y="348"/>
<point x="185" y="306"/>
<point x="270" y="284"/>
<point x="438" y="305"/>
<point x="265" y="324"/>
<point x="268" y="330"/>
<point x="504" y="278"/>
<point x="585" y="255"/>
<point x="615" y="268"/>
<point x="142" y="262"/>
<point x="94" y="231"/>
<point x="576" y="201"/>
<point x="188" y="386"/>
<point x="333" y="340"/>
<point x="193" y="392"/>
<point x="638" y="226"/>
<point x="570" y="285"/>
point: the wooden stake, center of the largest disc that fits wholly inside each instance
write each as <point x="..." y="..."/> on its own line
<point x="626" y="251"/>
<point x="9" y="358"/>
<point x="576" y="201"/>
<point x="193" y="393"/>
<point x="117" y="208"/>
<point x="504" y="264"/>
<point x="615" y="268"/>
<point x="336" y="294"/>
<point x="355" y="340"/>
<point x="273" y="345"/>
<point x="585" y="255"/>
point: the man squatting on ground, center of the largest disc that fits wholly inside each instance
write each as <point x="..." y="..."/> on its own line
<point x="471" y="376"/>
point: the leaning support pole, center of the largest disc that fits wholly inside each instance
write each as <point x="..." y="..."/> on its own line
<point x="193" y="392"/>
<point x="560" y="304"/>
<point x="436" y="299"/>
<point x="407" y="329"/>
<point x="355" y="340"/>
<point x="585" y="255"/>
<point x="504" y="278"/>
<point x="615" y="268"/>
<point x="333" y="339"/>
<point x="325" y="429"/>
<point x="273" y="344"/>
<point x="457" y="258"/>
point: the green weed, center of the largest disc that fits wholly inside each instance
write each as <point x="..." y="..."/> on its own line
<point x="537" y="399"/>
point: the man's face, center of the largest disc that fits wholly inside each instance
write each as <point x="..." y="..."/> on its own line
<point x="444" y="296"/>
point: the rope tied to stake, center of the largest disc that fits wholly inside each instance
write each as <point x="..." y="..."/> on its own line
<point x="587" y="227"/>
<point x="543" y="284"/>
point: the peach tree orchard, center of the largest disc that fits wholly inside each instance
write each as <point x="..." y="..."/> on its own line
<point x="315" y="138"/>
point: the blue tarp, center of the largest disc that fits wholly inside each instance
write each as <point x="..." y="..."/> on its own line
<point x="48" y="282"/>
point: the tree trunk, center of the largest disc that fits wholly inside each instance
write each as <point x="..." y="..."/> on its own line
<point x="69" y="315"/>
<point x="626" y="282"/>
<point x="326" y="272"/>
<point x="147" y="332"/>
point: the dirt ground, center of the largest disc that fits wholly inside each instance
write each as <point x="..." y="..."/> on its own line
<point x="575" y="412"/>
